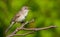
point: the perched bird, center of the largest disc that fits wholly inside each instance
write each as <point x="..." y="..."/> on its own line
<point x="19" y="17"/>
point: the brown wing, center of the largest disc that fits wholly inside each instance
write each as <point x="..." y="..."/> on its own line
<point x="15" y="17"/>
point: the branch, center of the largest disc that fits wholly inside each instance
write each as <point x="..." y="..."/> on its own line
<point x="24" y="34"/>
<point x="33" y="30"/>
<point x="28" y="29"/>
<point x="22" y="26"/>
<point x="18" y="29"/>
<point x="36" y="29"/>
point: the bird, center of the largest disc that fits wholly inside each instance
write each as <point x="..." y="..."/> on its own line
<point x="19" y="17"/>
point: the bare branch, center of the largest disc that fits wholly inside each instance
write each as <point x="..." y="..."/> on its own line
<point x="33" y="30"/>
<point x="36" y="29"/>
<point x="18" y="29"/>
<point x="28" y="29"/>
<point x="24" y="34"/>
<point x="21" y="34"/>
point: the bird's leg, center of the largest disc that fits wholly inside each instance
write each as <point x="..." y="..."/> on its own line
<point x="22" y="22"/>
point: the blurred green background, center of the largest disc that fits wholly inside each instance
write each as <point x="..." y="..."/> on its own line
<point x="45" y="12"/>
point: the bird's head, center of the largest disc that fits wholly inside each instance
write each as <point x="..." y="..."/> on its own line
<point x="25" y="8"/>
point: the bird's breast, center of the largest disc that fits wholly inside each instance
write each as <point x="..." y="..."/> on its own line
<point x="21" y="18"/>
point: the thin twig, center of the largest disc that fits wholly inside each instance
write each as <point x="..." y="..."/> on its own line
<point x="24" y="34"/>
<point x="22" y="26"/>
<point x="33" y="30"/>
<point x="36" y="29"/>
<point x="21" y="34"/>
<point x="18" y="29"/>
<point x="28" y="29"/>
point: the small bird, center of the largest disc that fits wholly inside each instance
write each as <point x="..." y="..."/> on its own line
<point x="19" y="17"/>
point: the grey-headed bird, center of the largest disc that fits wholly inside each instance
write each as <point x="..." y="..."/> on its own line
<point x="19" y="17"/>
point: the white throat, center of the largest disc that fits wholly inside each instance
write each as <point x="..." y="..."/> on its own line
<point x="25" y="12"/>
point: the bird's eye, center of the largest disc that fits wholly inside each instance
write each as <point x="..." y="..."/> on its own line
<point x="25" y="8"/>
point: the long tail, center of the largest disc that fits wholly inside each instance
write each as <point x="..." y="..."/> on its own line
<point x="9" y="26"/>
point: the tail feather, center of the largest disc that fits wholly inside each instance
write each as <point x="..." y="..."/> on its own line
<point x="9" y="26"/>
